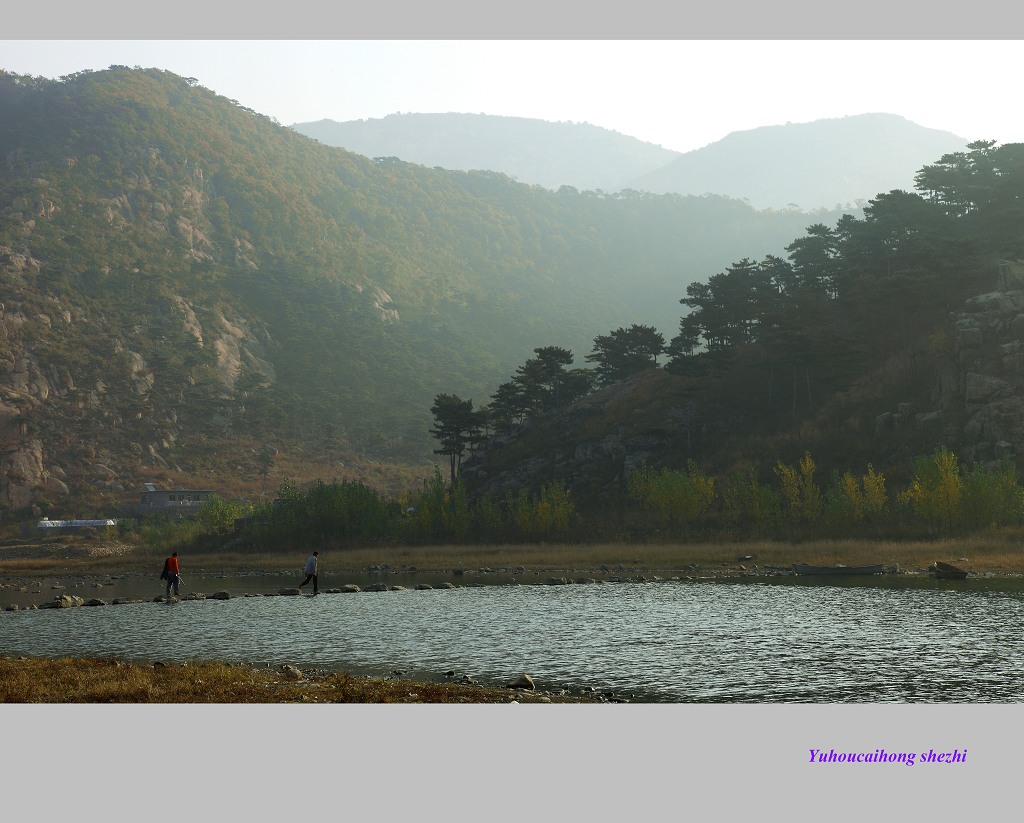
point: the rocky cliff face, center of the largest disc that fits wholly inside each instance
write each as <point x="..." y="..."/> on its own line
<point x="74" y="425"/>
<point x="989" y="371"/>
<point x="977" y="404"/>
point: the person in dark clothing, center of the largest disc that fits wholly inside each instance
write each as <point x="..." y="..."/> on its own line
<point x="310" y="572"/>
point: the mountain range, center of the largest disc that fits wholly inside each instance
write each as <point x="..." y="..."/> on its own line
<point x="829" y="164"/>
<point x="531" y="151"/>
<point x="195" y="294"/>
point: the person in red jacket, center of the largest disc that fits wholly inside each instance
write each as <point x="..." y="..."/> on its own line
<point x="171" y="573"/>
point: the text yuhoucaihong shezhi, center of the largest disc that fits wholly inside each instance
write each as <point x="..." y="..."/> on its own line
<point x="882" y="756"/>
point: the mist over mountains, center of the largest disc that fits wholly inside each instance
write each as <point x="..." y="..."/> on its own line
<point x="825" y="164"/>
<point x="192" y="291"/>
<point x="530" y="151"/>
<point x="187" y="284"/>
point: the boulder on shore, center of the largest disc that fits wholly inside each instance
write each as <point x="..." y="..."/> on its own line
<point x="64" y="601"/>
<point x="524" y="682"/>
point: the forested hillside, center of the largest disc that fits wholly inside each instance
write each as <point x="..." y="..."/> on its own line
<point x="189" y="286"/>
<point x="868" y="347"/>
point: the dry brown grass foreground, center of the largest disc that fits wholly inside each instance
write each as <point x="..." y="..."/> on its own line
<point x="85" y="680"/>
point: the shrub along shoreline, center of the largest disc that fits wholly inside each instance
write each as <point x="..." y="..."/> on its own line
<point x="943" y="501"/>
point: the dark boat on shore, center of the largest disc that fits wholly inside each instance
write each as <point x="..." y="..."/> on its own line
<point x="804" y="568"/>
<point x="946" y="571"/>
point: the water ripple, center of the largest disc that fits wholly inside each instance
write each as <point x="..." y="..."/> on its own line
<point x="670" y="641"/>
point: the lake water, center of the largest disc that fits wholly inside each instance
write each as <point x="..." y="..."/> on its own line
<point x="674" y="641"/>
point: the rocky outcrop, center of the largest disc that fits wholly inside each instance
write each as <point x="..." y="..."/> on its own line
<point x="46" y="384"/>
<point x="21" y="474"/>
<point x="238" y="350"/>
<point x="977" y="406"/>
<point x="55" y="486"/>
<point x="187" y="317"/>
<point x="989" y="363"/>
<point x="523" y="682"/>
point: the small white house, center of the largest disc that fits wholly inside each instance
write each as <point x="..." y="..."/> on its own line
<point x="47" y="526"/>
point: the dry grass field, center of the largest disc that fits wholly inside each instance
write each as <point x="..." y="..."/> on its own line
<point x="78" y="680"/>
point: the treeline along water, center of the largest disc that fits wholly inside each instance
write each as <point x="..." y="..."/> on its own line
<point x="673" y="641"/>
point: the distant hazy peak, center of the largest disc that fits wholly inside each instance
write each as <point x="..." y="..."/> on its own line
<point x="529" y="150"/>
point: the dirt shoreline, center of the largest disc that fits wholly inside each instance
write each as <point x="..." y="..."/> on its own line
<point x="32" y="573"/>
<point x="997" y="558"/>
<point x="1002" y="547"/>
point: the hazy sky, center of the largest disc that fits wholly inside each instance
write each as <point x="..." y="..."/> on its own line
<point x="681" y="94"/>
